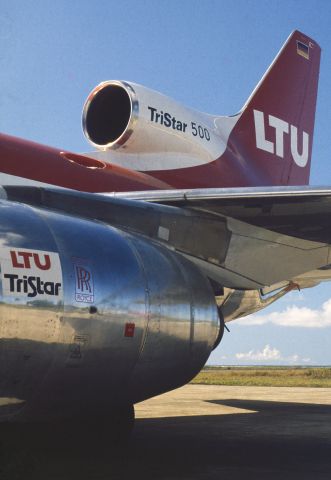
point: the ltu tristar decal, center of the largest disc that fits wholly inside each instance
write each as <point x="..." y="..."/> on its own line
<point x="35" y="274"/>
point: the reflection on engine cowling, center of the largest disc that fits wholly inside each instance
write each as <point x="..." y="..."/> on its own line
<point x="91" y="316"/>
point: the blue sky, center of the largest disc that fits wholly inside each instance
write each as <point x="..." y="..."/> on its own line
<point x="206" y="54"/>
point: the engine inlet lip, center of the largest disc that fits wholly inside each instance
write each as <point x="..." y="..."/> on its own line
<point x="133" y="118"/>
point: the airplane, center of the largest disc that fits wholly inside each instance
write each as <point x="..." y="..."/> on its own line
<point x="121" y="267"/>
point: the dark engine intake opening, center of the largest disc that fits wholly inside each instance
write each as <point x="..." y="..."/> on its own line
<point x="108" y="114"/>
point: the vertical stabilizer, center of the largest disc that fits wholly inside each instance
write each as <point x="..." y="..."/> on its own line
<point x="275" y="130"/>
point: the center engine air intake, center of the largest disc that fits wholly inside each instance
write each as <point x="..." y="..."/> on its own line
<point x="107" y="114"/>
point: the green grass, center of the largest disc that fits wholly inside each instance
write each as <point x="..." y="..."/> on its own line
<point x="265" y="376"/>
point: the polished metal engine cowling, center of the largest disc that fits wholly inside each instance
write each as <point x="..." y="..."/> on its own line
<point x="93" y="317"/>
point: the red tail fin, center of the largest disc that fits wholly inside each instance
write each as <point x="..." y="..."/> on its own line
<point x="282" y="112"/>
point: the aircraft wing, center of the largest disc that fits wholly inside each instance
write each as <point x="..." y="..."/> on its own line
<point x="302" y="212"/>
<point x="248" y="238"/>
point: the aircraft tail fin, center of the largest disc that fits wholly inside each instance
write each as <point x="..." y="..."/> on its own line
<point x="282" y="111"/>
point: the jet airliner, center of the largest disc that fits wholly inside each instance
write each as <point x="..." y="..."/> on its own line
<point x="120" y="267"/>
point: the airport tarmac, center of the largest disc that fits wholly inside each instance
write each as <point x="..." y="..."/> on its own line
<point x="195" y="432"/>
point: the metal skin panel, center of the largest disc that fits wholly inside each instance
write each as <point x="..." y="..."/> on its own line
<point x="173" y="347"/>
<point x="126" y="313"/>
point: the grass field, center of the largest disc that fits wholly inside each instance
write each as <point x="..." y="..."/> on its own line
<point x="265" y="376"/>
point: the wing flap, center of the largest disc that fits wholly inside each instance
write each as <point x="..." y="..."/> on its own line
<point x="302" y="212"/>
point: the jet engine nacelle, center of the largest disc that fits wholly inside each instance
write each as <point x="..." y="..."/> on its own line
<point x="126" y="118"/>
<point x="92" y="317"/>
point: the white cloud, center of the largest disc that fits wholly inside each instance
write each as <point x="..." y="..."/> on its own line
<point x="306" y="360"/>
<point x="269" y="355"/>
<point x="294" y="316"/>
